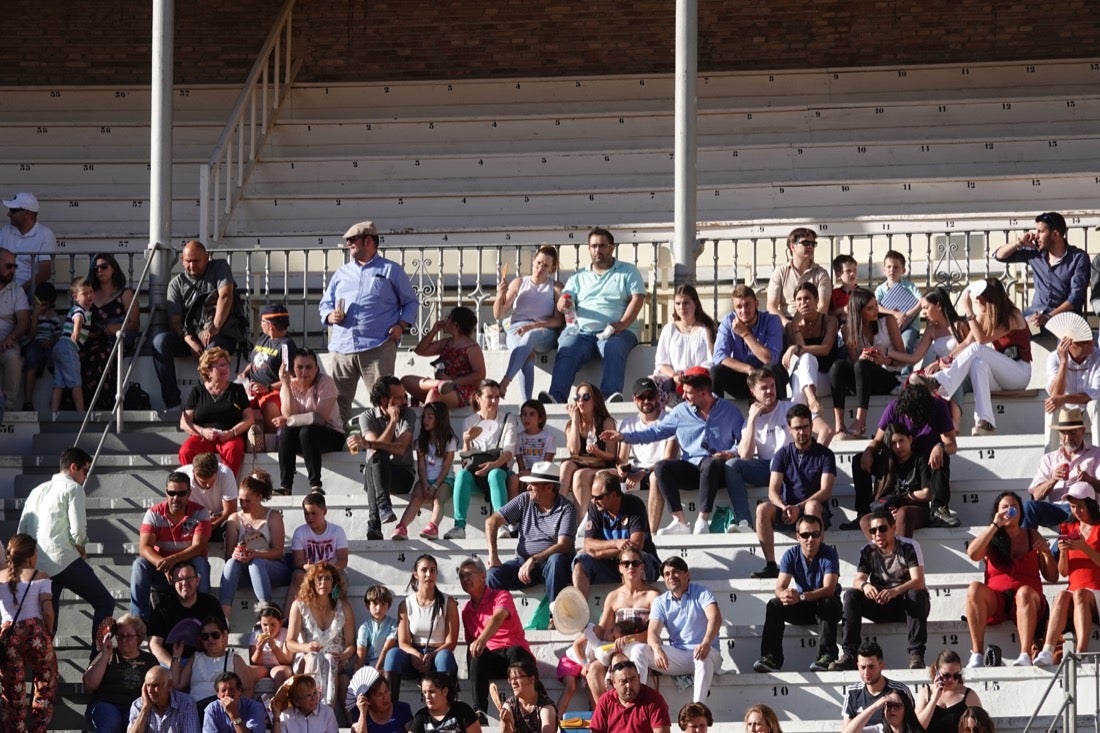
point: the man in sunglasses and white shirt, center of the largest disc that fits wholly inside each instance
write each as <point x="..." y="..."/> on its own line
<point x="785" y="279"/>
<point x="807" y="591"/>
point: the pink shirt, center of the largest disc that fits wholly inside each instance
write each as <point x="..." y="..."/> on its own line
<point x="1087" y="459"/>
<point x="474" y="620"/>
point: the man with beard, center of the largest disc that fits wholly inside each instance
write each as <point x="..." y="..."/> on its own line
<point x="630" y="706"/>
<point x="748" y="339"/>
<point x="1058" y="470"/>
<point x="636" y="461"/>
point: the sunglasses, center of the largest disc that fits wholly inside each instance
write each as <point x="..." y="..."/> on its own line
<point x="878" y="529"/>
<point x="646" y="396"/>
<point x="808" y="242"/>
<point x="630" y="563"/>
<point x="809" y="535"/>
<point x="894" y="706"/>
<point x="957" y="676"/>
<point x="622" y="665"/>
<point x="178" y="493"/>
<point x="16" y="211"/>
<point x="585" y="397"/>
<point x="103" y="266"/>
<point x="208" y="635"/>
<point x="599" y="497"/>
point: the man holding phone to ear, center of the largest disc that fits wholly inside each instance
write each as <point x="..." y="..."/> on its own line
<point x="369" y="302"/>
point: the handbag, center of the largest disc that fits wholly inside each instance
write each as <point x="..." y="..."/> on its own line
<point x="302" y="419"/>
<point x="472" y="460"/>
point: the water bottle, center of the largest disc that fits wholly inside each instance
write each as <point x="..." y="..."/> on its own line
<point x="570" y="310"/>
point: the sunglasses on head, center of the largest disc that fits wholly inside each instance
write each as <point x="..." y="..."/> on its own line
<point x="619" y="666"/>
<point x="208" y="635"/>
<point x="629" y="563"/>
<point x="809" y="535"/>
<point x="878" y="528"/>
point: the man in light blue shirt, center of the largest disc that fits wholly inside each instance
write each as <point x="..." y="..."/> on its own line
<point x="232" y="712"/>
<point x="606" y="299"/>
<point x="708" y="430"/>
<point x="369" y="303"/>
<point x="690" y="613"/>
<point x="160" y="709"/>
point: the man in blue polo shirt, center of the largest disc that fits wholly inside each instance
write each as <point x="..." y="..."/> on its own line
<point x="803" y="474"/>
<point x="708" y="430"/>
<point x="806" y="591"/>
<point x="614" y="522"/>
<point x="690" y="613"/>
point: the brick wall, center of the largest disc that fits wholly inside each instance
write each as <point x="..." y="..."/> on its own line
<point x="108" y="41"/>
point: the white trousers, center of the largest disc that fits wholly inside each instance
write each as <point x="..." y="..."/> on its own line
<point x="680" y="661"/>
<point x="804" y="373"/>
<point x="989" y="370"/>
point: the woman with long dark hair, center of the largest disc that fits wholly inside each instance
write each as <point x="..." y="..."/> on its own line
<point x="442" y="710"/>
<point x="1079" y="561"/>
<point x="427" y="629"/>
<point x="110" y="300"/>
<point x="898" y="716"/>
<point x="996" y="355"/>
<point x="869" y="339"/>
<point x="1014" y="559"/>
<point x="27" y="613"/>
<point x="530" y="709"/>
<point x="535" y="320"/>
<point x="811" y="338"/>
<point x="588" y="419"/>
<point x="940" y="704"/>
<point x="686" y="342"/>
<point x="460" y="366"/>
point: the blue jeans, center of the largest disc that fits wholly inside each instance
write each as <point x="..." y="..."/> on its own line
<point x="522" y="348"/>
<point x="1044" y="514"/>
<point x="264" y="574"/>
<point x="143" y="577"/>
<point x="740" y="474"/>
<point x="79" y="578"/>
<point x="397" y="660"/>
<point x="576" y="348"/>
<point x="555" y="572"/>
<point x="105" y="717"/>
<point x="166" y="347"/>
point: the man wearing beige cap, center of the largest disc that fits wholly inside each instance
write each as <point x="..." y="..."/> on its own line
<point x="32" y="243"/>
<point x="1074" y="461"/>
<point x="369" y="302"/>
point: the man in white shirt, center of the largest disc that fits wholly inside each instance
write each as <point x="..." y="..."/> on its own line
<point x="54" y="515"/>
<point x="33" y="243"/>
<point x="15" y="321"/>
<point x="764" y="433"/>
<point x="1073" y="375"/>
<point x="636" y="461"/>
<point x="215" y="487"/>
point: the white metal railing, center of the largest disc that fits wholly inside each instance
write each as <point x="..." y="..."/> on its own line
<point x="1066" y="676"/>
<point x="222" y="178"/>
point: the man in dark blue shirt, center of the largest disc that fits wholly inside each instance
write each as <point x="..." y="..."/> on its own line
<point x="806" y="591"/>
<point x="614" y="522"/>
<point x="1060" y="271"/>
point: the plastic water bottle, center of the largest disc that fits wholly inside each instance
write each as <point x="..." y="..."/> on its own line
<point x="570" y="310"/>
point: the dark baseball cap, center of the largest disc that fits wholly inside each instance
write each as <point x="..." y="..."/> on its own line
<point x="643" y="385"/>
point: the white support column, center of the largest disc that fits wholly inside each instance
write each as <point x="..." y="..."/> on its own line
<point x="684" y="244"/>
<point x="160" y="146"/>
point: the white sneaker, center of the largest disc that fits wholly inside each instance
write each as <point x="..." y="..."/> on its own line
<point x="503" y="532"/>
<point x="977" y="659"/>
<point x="702" y="526"/>
<point x="742" y="526"/>
<point x="455" y="533"/>
<point x="675" y="527"/>
<point x="1044" y="659"/>
<point x="1024" y="660"/>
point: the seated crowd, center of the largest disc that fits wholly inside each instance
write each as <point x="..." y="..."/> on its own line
<point x="579" y="521"/>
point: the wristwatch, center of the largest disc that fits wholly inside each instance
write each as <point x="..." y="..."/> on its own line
<point x="237" y="721"/>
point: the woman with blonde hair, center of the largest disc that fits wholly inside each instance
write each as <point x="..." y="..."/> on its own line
<point x="297" y="708"/>
<point x="216" y="415"/>
<point x="761" y="719"/>
<point x="321" y="630"/>
<point x="27" y="613"/>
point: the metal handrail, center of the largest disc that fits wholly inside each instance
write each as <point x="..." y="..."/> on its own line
<point x="237" y="163"/>
<point x="1066" y="674"/>
<point x="115" y="357"/>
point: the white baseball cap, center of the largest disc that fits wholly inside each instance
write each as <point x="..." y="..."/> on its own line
<point x="22" y="200"/>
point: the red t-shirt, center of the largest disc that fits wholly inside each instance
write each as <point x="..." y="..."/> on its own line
<point x="1083" y="572"/>
<point x="649" y="712"/>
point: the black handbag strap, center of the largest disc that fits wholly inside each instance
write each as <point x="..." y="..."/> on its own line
<point x="20" y="609"/>
<point x="503" y="425"/>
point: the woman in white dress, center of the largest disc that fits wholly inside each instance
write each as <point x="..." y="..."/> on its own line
<point x="321" y="630"/>
<point x="686" y="342"/>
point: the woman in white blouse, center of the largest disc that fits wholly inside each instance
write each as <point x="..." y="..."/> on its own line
<point x="686" y="342"/>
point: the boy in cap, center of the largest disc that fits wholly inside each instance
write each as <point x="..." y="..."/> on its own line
<point x="272" y="351"/>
